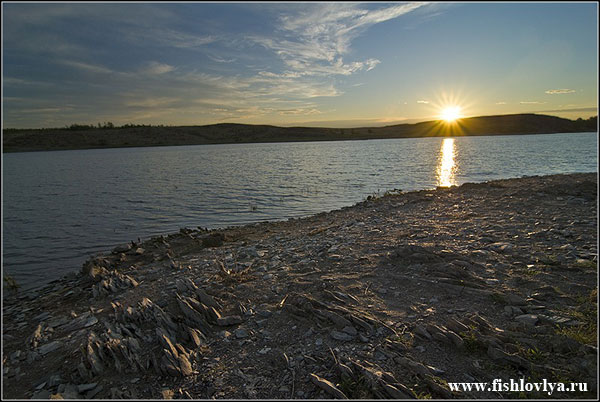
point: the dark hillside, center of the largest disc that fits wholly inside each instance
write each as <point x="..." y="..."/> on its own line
<point x="85" y="137"/>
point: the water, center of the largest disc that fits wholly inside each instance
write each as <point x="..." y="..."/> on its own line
<point x="60" y="207"/>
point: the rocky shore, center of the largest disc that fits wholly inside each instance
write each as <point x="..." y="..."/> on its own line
<point x="394" y="297"/>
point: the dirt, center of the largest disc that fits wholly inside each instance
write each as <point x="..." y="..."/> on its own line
<point x="394" y="297"/>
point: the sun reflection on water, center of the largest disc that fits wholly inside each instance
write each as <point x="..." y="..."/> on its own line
<point x="446" y="167"/>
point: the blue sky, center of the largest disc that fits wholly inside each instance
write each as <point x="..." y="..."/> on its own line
<point x="327" y="64"/>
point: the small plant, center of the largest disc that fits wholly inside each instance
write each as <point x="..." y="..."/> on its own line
<point x="497" y="298"/>
<point x="532" y="272"/>
<point x="355" y="388"/>
<point x="550" y="259"/>
<point x="424" y="395"/>
<point x="472" y="344"/>
<point x="11" y="283"/>
<point x="532" y="354"/>
<point x="587" y="314"/>
<point x="586" y="264"/>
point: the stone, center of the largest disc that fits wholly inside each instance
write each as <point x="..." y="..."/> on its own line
<point x="528" y="319"/>
<point x="92" y="393"/>
<point x="395" y="393"/>
<point x="341" y="336"/>
<point x="41" y="317"/>
<point x="241" y="333"/>
<point x="213" y="240"/>
<point x="184" y="365"/>
<point x="411" y="365"/>
<point x="512" y="310"/>
<point x="49" y="347"/>
<point x="121" y="249"/>
<point x="327" y="386"/>
<point x="54" y="380"/>
<point x="422" y="332"/>
<point x="229" y="320"/>
<point x="501" y="247"/>
<point x="350" y="330"/>
<point x="41" y="394"/>
<point x="264" y="313"/>
<point x="455" y="339"/>
<point x="514" y="300"/>
<point x="503" y="357"/>
<point x="337" y="319"/>
<point x="457" y="326"/>
<point x="81" y="388"/>
<point x="554" y="320"/>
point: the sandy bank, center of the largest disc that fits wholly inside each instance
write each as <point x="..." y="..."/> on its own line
<point x="393" y="298"/>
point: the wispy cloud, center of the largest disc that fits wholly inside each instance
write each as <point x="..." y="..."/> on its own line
<point x="156" y="68"/>
<point x="580" y="109"/>
<point x="316" y="39"/>
<point x="500" y="103"/>
<point x="531" y="103"/>
<point x="87" y="67"/>
<point x="560" y="91"/>
<point x="151" y="102"/>
<point x="178" y="39"/>
<point x="221" y="59"/>
<point x="423" y="101"/>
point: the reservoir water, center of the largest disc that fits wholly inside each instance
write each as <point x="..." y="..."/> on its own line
<point x="60" y="207"/>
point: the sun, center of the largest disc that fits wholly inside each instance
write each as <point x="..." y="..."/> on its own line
<point x="451" y="113"/>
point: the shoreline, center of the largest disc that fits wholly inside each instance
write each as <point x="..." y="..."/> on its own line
<point x="392" y="297"/>
<point x="291" y="141"/>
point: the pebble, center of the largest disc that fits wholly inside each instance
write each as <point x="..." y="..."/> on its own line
<point x="341" y="336"/>
<point x="514" y="299"/>
<point x="241" y="333"/>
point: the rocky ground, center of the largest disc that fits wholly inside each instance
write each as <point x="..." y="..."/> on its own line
<point x="391" y="298"/>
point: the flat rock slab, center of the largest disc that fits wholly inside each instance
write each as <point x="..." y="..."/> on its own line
<point x="529" y="319"/>
<point x="49" y="347"/>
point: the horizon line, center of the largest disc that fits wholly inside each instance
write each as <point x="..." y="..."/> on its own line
<point x="314" y="124"/>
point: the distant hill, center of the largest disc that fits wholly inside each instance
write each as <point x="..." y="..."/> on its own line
<point x="83" y="137"/>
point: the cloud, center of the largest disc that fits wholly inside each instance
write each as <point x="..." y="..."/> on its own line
<point x="178" y="39"/>
<point x="500" y="103"/>
<point x="299" y="111"/>
<point x="423" y="101"/>
<point x="151" y="102"/>
<point x="580" y="109"/>
<point x="560" y="91"/>
<point x="531" y="103"/>
<point x="316" y="38"/>
<point x="87" y="67"/>
<point x="220" y="59"/>
<point x="156" y="68"/>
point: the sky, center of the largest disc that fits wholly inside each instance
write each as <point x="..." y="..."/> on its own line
<point x="318" y="64"/>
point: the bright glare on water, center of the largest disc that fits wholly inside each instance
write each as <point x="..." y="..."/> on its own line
<point x="60" y="207"/>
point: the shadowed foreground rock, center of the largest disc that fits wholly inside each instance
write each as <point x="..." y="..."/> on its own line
<point x="391" y="298"/>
